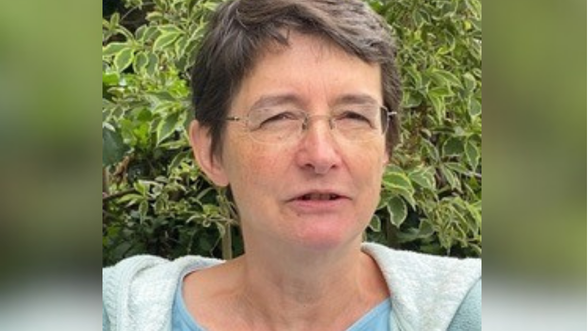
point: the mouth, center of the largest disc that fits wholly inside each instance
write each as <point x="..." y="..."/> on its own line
<point x="319" y="197"/>
<point x="323" y="195"/>
<point x="319" y="202"/>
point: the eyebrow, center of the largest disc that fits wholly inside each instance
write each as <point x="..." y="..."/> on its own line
<point x="360" y="99"/>
<point x="267" y="101"/>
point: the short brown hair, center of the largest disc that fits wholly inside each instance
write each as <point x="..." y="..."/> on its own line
<point x="240" y="29"/>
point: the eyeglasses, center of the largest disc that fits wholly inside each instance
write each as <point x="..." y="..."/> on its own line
<point x="278" y="125"/>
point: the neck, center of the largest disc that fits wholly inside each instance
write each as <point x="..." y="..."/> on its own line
<point x="307" y="289"/>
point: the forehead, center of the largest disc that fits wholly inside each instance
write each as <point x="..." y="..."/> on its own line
<point x="310" y="68"/>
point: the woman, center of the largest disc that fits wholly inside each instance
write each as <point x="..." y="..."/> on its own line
<point x="296" y="112"/>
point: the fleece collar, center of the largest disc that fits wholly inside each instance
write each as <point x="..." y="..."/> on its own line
<point x="426" y="290"/>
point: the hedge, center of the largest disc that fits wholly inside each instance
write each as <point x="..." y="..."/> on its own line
<point x="155" y="199"/>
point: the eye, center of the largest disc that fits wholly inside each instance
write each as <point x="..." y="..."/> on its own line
<point x="354" y="118"/>
<point x="283" y="116"/>
<point x="277" y="120"/>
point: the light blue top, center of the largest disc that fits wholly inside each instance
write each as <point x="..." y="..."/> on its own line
<point x="377" y="319"/>
<point x="431" y="293"/>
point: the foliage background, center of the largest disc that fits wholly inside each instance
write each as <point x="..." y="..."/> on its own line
<point x="156" y="201"/>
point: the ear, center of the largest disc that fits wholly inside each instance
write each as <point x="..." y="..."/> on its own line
<point x="385" y="162"/>
<point x="201" y="142"/>
<point x="386" y="158"/>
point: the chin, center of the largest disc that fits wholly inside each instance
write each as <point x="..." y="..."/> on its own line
<point x="324" y="239"/>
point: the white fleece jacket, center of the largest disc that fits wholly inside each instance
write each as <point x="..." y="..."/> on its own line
<point x="429" y="293"/>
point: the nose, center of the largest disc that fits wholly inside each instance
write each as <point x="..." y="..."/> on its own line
<point x="319" y="150"/>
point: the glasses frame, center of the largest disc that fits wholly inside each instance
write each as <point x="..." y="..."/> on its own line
<point x="385" y="116"/>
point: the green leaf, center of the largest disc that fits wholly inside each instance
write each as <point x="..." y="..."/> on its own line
<point x="162" y="108"/>
<point x="201" y="195"/>
<point x="439" y="107"/>
<point x="443" y="77"/>
<point x="180" y="45"/>
<point x="418" y="19"/>
<point x="410" y="100"/>
<point x="194" y="218"/>
<point x="143" y="114"/>
<point x="164" y="40"/>
<point x="450" y="177"/>
<point x="140" y="63"/>
<point x="458" y="168"/>
<point x="425" y="229"/>
<point x="440" y="92"/>
<point x="470" y="81"/>
<point x="121" y="29"/>
<point x="114" y="19"/>
<point x="397" y="211"/>
<point x="424" y="177"/>
<point x="140" y="32"/>
<point x="221" y="229"/>
<point x="453" y="147"/>
<point x="166" y="127"/>
<point x="475" y="213"/>
<point x="450" y="9"/>
<point x="160" y="96"/>
<point x="110" y="78"/>
<point x="143" y="209"/>
<point x="123" y="59"/>
<point x="375" y="223"/>
<point x="415" y="76"/>
<point x="159" y="206"/>
<point x="161" y="4"/>
<point x="141" y="187"/>
<point x="472" y="153"/>
<point x="477" y="23"/>
<point x="178" y="159"/>
<point x="474" y="107"/>
<point x="114" y="48"/>
<point x="399" y="184"/>
<point x="385" y="196"/>
<point x="154" y="16"/>
<point x="113" y="147"/>
<point x="475" y="6"/>
<point x="169" y="28"/>
<point x="120" y="250"/>
<point x="210" y="6"/>
<point x="476" y="49"/>
<point x="152" y="64"/>
<point x="105" y="26"/>
<point x="429" y="150"/>
<point x="132" y="198"/>
<point x="398" y="180"/>
<point x="150" y="33"/>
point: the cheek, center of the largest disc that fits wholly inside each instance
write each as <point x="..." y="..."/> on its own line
<point x="369" y="160"/>
<point x="368" y="170"/>
<point x="252" y="167"/>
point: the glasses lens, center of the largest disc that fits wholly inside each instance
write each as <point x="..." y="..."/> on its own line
<point x="275" y="126"/>
<point x="358" y="122"/>
<point x="271" y="125"/>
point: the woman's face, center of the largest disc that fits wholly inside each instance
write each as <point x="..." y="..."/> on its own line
<point x="319" y="190"/>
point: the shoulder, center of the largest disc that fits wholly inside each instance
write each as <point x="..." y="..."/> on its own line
<point x="426" y="290"/>
<point x="149" y="266"/>
<point x="142" y="288"/>
<point x="420" y="262"/>
<point x="469" y="315"/>
<point x="423" y="266"/>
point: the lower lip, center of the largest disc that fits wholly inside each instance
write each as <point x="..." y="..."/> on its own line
<point x="317" y="206"/>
